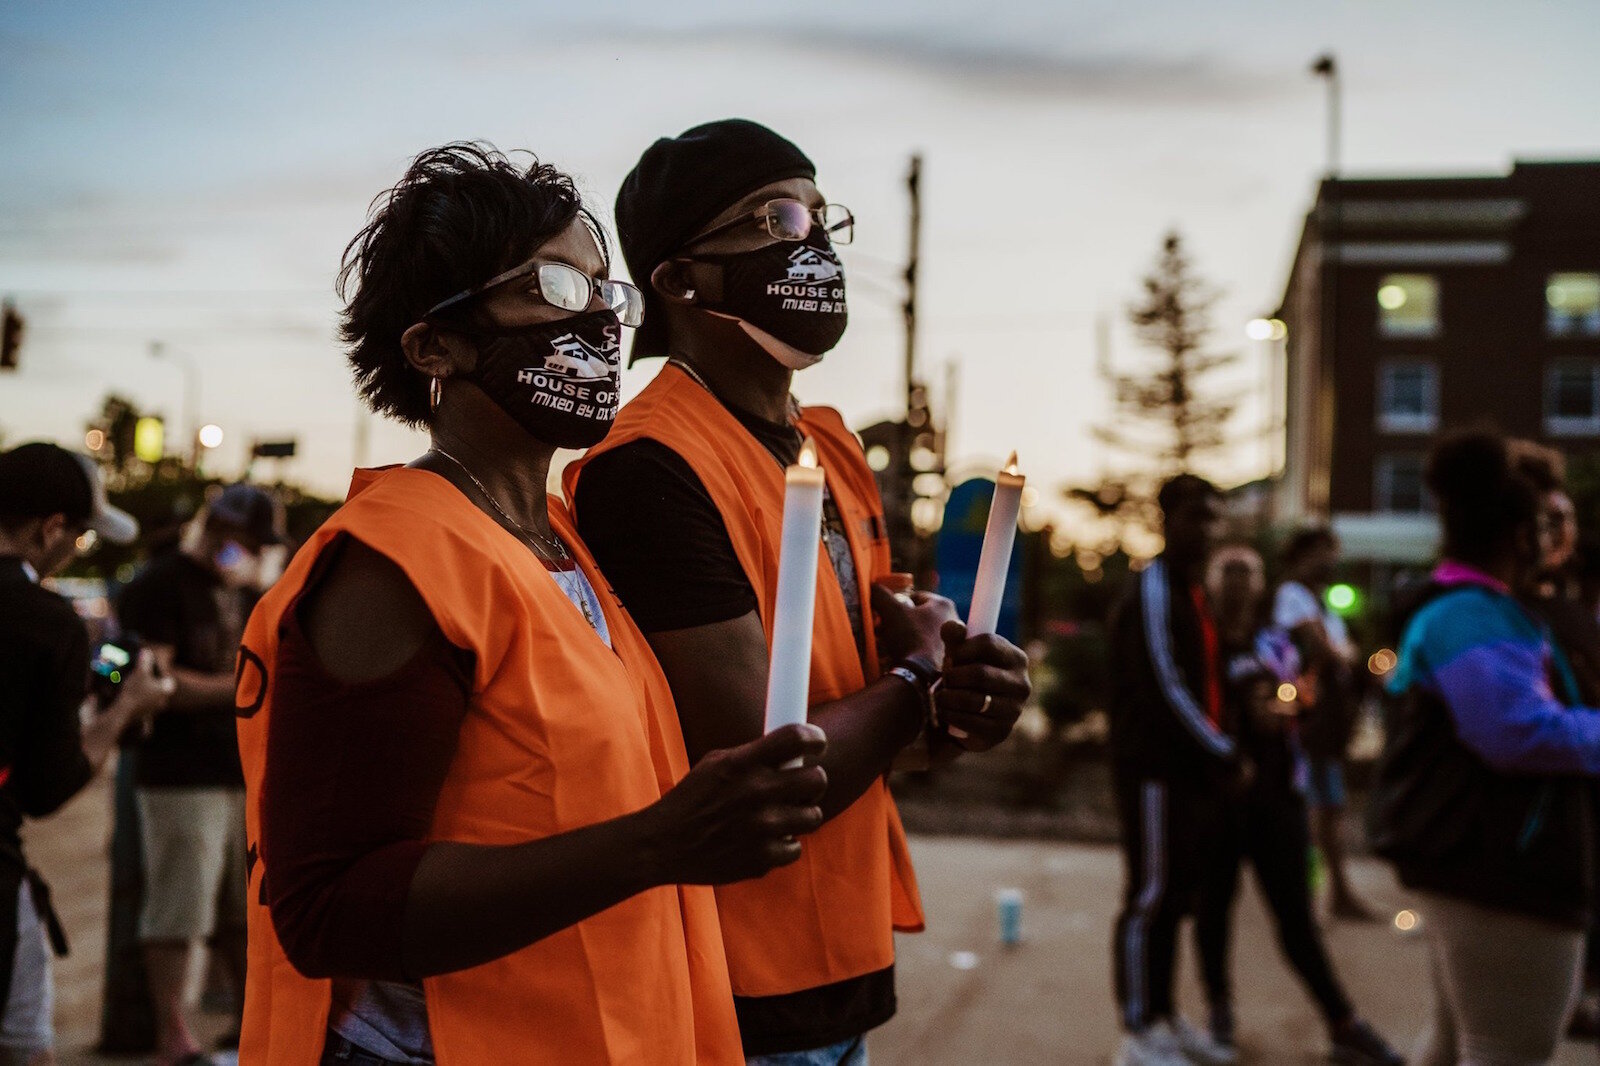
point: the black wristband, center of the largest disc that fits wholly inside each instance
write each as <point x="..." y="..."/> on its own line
<point x="928" y="672"/>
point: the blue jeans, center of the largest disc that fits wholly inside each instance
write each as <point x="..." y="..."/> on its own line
<point x="851" y="1052"/>
<point x="337" y="1051"/>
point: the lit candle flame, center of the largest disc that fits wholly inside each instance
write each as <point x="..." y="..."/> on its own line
<point x="1011" y="465"/>
<point x="808" y="454"/>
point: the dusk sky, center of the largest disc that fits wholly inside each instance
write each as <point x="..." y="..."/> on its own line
<point x="189" y="172"/>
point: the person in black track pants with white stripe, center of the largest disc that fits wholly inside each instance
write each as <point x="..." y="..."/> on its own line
<point x="1174" y="761"/>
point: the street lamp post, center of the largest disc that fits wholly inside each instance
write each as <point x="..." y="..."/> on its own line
<point x="1326" y="67"/>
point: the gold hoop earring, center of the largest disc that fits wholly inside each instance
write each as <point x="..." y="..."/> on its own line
<point x="435" y="393"/>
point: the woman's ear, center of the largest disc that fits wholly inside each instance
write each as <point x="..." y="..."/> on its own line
<point x="671" y="282"/>
<point x="437" y="353"/>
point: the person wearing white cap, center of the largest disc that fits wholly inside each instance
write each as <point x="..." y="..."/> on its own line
<point x="50" y="500"/>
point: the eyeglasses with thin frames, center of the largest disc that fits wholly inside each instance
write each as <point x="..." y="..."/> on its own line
<point x="559" y="285"/>
<point x="786" y="219"/>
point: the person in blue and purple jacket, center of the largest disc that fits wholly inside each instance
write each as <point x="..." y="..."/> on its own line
<point x="1483" y="795"/>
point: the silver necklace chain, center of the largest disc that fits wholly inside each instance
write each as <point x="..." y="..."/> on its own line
<point x="531" y="536"/>
<point x="554" y="550"/>
<point x="694" y="375"/>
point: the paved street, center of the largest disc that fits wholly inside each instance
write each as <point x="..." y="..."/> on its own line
<point x="1046" y="1001"/>
<point x="1049" y="999"/>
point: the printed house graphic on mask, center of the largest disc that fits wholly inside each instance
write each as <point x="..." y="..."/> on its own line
<point x="810" y="265"/>
<point x="575" y="357"/>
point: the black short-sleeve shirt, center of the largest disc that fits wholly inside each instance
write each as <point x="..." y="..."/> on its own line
<point x="662" y="544"/>
<point x="178" y="602"/>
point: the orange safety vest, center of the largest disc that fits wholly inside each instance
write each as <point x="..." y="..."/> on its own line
<point x="561" y="732"/>
<point x="831" y="915"/>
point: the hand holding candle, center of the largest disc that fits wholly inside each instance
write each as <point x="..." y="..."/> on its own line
<point x="990" y="587"/>
<point x="789" y="670"/>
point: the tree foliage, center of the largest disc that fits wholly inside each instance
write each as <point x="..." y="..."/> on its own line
<point x="164" y="495"/>
<point x="1163" y="412"/>
<point x="1164" y="415"/>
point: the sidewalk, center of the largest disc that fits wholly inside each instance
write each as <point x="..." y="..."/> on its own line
<point x="1047" y="1001"/>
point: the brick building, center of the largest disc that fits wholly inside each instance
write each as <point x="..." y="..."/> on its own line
<point x="1416" y="305"/>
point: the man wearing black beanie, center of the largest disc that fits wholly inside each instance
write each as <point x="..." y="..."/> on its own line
<point x="726" y="232"/>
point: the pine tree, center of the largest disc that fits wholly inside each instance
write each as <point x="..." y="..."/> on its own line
<point x="1162" y="414"/>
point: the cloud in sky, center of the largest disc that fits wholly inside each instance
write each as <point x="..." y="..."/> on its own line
<point x="1198" y="78"/>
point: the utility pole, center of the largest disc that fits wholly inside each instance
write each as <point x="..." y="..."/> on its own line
<point x="914" y="185"/>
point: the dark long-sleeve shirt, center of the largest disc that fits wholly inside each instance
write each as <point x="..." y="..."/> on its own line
<point x="1161" y="724"/>
<point x="44" y="678"/>
<point x="352" y="779"/>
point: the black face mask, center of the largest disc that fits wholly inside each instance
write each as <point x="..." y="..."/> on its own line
<point x="560" y="380"/>
<point x="793" y="291"/>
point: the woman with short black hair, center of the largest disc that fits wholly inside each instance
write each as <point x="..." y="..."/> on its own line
<point x="1483" y="799"/>
<point x="470" y="809"/>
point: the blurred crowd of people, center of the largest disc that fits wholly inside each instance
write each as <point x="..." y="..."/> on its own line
<point x="154" y="681"/>
<point x="1235" y="703"/>
<point x="1233" y="710"/>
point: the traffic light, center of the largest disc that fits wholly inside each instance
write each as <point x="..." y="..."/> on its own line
<point x="10" y="335"/>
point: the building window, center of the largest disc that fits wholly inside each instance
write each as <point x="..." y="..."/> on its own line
<point x="1408" y="305"/>
<point x="1408" y="397"/>
<point x="1572" y="305"/>
<point x="1399" y="485"/>
<point x="1572" y="399"/>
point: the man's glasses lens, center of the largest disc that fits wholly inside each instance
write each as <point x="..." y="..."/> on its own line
<point x="838" y="223"/>
<point x="791" y="220"/>
<point x="788" y="220"/>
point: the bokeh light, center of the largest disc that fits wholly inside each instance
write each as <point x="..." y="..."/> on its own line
<point x="150" y="439"/>
<point x="1342" y="598"/>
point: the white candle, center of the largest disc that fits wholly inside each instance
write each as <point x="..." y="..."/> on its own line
<point x="990" y="587"/>
<point x="789" y="669"/>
